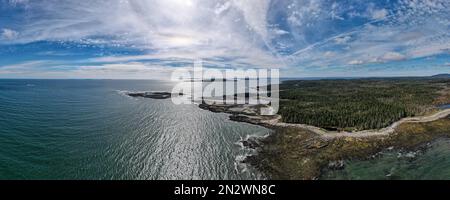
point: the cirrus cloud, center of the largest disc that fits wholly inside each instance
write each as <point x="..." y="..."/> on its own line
<point x="297" y="35"/>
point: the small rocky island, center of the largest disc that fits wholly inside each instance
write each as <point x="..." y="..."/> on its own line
<point x="152" y="95"/>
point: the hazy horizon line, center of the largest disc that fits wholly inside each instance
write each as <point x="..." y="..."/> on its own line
<point x="304" y="77"/>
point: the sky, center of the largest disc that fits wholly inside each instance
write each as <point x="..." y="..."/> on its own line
<point x="148" y="39"/>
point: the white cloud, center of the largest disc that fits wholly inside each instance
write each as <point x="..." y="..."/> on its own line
<point x="243" y="33"/>
<point x="134" y="70"/>
<point x="255" y="13"/>
<point x="26" y="69"/>
<point x="303" y="13"/>
<point x="392" y="56"/>
<point x="334" y="10"/>
<point x="228" y="58"/>
<point x="329" y="54"/>
<point x="220" y="8"/>
<point x="433" y="48"/>
<point x="356" y="62"/>
<point x="22" y="66"/>
<point x="8" y="34"/>
<point x="379" y="14"/>
<point x="394" y="34"/>
<point x="280" y="32"/>
<point x="170" y="27"/>
<point x="131" y="70"/>
<point x="342" y="40"/>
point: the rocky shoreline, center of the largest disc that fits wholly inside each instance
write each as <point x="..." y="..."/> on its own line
<point x="293" y="152"/>
<point x="241" y="113"/>
<point x="298" y="154"/>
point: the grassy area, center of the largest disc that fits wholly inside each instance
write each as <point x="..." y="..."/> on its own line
<point x="360" y="104"/>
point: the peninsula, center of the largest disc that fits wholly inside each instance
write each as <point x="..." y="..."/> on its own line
<point x="321" y="123"/>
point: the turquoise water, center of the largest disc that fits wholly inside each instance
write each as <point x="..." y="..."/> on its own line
<point x="87" y="129"/>
<point x="430" y="164"/>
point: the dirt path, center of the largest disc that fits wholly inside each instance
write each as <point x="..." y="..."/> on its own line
<point x="360" y="134"/>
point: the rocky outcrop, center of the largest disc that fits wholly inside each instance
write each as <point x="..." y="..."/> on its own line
<point x="152" y="95"/>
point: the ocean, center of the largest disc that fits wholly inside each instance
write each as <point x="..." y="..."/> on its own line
<point x="88" y="129"/>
